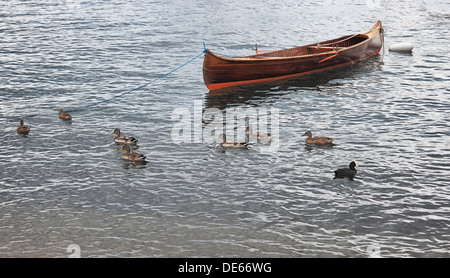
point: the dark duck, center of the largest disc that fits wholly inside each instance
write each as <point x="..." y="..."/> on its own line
<point x="349" y="172"/>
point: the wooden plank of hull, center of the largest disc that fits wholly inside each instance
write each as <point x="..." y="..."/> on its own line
<point x="220" y="72"/>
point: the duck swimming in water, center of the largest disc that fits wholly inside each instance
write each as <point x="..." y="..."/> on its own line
<point x="23" y="129"/>
<point x="132" y="156"/>
<point x="128" y="140"/>
<point x="262" y="137"/>
<point x="234" y="144"/>
<point x="317" y="140"/>
<point x="64" y="115"/>
<point x="346" y="172"/>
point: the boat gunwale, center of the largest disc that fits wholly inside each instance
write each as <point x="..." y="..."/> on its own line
<point x="369" y="34"/>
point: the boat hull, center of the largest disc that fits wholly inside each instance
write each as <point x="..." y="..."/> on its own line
<point x="221" y="72"/>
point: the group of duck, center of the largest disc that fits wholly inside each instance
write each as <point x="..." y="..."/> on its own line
<point x="126" y="141"/>
<point x="349" y="172"/>
<point x="136" y="157"/>
<point x="317" y="140"/>
<point x="24" y="129"/>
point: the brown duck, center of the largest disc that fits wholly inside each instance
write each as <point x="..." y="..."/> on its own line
<point x="23" y="129"/>
<point x="232" y="144"/>
<point x="128" y="140"/>
<point x="317" y="140"/>
<point x="64" y="115"/>
<point x="132" y="156"/>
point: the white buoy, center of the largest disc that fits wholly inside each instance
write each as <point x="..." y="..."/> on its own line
<point x="401" y="47"/>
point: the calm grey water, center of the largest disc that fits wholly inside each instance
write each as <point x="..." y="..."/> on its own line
<point x="65" y="183"/>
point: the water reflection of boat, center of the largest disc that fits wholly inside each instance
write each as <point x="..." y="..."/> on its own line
<point x="221" y="72"/>
<point x="251" y="94"/>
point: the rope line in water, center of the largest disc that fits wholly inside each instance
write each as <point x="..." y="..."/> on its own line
<point x="137" y="88"/>
<point x="120" y="95"/>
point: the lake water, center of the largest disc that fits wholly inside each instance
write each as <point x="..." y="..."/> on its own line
<point x="65" y="184"/>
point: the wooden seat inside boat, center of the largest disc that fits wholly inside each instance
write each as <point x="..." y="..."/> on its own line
<point x="326" y="46"/>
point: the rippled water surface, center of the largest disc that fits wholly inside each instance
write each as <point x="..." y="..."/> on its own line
<point x="66" y="183"/>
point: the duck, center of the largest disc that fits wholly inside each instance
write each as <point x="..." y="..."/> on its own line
<point x="263" y="137"/>
<point x="23" y="129"/>
<point x="64" y="115"/>
<point x="349" y="172"/>
<point x="128" y="140"/>
<point x="234" y="144"/>
<point x="132" y="156"/>
<point x="317" y="140"/>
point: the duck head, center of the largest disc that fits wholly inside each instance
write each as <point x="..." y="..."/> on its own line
<point x="125" y="148"/>
<point x="308" y="133"/>
<point x="116" y="132"/>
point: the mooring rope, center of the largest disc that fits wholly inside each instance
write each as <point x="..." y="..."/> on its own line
<point x="117" y="96"/>
<point x="135" y="89"/>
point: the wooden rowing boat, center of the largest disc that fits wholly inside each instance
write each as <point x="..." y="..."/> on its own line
<point x="221" y="72"/>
